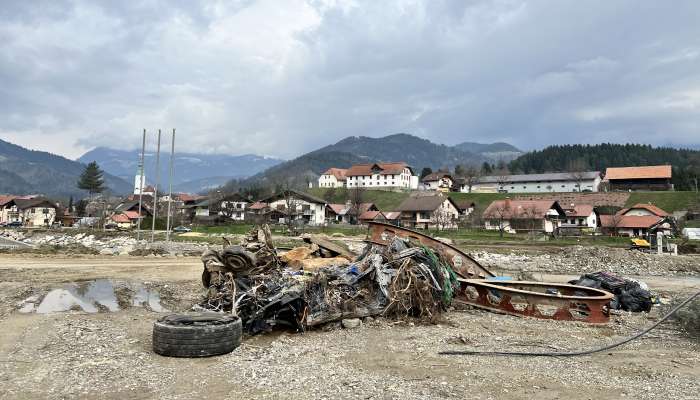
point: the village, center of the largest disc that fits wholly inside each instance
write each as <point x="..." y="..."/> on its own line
<point x="350" y="199"/>
<point x="586" y="203"/>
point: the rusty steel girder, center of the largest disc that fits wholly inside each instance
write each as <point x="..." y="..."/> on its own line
<point x="537" y="299"/>
<point x="465" y="266"/>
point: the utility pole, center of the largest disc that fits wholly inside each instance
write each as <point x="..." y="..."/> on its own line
<point x="170" y="184"/>
<point x="155" y="191"/>
<point x="141" y="167"/>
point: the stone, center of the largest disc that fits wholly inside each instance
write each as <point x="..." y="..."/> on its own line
<point x="351" y="323"/>
<point x="106" y="252"/>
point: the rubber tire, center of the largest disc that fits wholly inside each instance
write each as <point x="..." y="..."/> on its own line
<point x="214" y="335"/>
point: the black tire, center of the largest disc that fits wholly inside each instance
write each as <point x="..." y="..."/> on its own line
<point x="196" y="334"/>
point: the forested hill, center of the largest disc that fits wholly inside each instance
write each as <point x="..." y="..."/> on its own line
<point x="685" y="162"/>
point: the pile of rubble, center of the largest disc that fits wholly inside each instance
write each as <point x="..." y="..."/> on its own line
<point x="579" y="259"/>
<point x="264" y="290"/>
<point x="120" y="245"/>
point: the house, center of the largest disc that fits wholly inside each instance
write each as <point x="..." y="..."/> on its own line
<point x="233" y="206"/>
<point x="421" y="210"/>
<point x="333" y="178"/>
<point x="348" y="213"/>
<point x="133" y="205"/>
<point x="31" y="212"/>
<point x="465" y="207"/>
<point x="371" y="216"/>
<point x="536" y="183"/>
<point x="639" y="220"/>
<point x="523" y="215"/>
<point x="656" y="177"/>
<point x="298" y="206"/>
<point x="121" y="220"/>
<point x="440" y="181"/>
<point x="382" y="176"/>
<point x="392" y="217"/>
<point x="580" y="216"/>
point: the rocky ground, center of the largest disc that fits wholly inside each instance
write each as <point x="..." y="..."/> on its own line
<point x="107" y="355"/>
<point x="580" y="259"/>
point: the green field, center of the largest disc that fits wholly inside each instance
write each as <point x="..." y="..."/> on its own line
<point x="668" y="201"/>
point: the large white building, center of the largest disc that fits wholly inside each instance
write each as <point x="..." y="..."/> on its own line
<point x="333" y="178"/>
<point x="304" y="207"/>
<point x="537" y="183"/>
<point x="381" y="175"/>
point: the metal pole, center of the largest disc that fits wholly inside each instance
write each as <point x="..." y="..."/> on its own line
<point x="143" y="157"/>
<point x="155" y="191"/>
<point x="170" y="184"/>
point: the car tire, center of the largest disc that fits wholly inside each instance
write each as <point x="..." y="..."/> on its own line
<point x="196" y="334"/>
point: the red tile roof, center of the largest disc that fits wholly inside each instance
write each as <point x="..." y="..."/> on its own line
<point x="579" y="210"/>
<point x="6" y="199"/>
<point x="393" y="168"/>
<point x="337" y="208"/>
<point x="120" y="218"/>
<point x="629" y="221"/>
<point x="519" y="209"/>
<point x="649" y="172"/>
<point x="392" y="215"/>
<point x="649" y="207"/>
<point x="370" y="215"/>
<point x="258" y="205"/>
<point x="339" y="173"/>
<point x="131" y="214"/>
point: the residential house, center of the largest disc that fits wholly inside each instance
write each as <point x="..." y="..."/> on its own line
<point x="392" y="217"/>
<point x="382" y="176"/>
<point x="32" y="212"/>
<point x="657" y="177"/>
<point x="580" y="216"/>
<point x="523" y="215"/>
<point x="348" y="213"/>
<point x="233" y="206"/>
<point x="333" y="178"/>
<point x="121" y="220"/>
<point x="639" y="220"/>
<point x="421" y="210"/>
<point x="440" y="181"/>
<point x="371" y="216"/>
<point x="465" y="207"/>
<point x="536" y="183"/>
<point x="298" y="206"/>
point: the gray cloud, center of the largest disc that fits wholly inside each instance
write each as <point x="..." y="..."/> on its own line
<point x="281" y="78"/>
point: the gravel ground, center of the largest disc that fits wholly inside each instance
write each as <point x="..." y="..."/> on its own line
<point x="579" y="260"/>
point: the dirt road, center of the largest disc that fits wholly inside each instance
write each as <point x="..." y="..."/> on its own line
<point x="107" y="355"/>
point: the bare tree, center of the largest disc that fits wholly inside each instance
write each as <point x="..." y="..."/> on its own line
<point x="502" y="212"/>
<point x="443" y="218"/>
<point x="291" y="209"/>
<point x="356" y="198"/>
<point x="577" y="168"/>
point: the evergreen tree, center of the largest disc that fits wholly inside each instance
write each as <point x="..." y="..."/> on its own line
<point x="91" y="179"/>
<point x="486" y="168"/>
<point x="425" y="172"/>
<point x="459" y="170"/>
<point x="70" y="204"/>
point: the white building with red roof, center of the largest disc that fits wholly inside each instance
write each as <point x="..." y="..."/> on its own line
<point x="332" y="178"/>
<point x="381" y="176"/>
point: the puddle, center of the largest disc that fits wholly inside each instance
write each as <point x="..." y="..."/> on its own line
<point x="100" y="295"/>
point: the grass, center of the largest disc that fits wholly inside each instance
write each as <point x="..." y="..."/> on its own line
<point x="668" y="201"/>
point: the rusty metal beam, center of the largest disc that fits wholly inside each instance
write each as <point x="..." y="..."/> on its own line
<point x="537" y="299"/>
<point x="463" y="264"/>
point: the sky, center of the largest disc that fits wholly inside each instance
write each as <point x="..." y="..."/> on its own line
<point x="281" y="78"/>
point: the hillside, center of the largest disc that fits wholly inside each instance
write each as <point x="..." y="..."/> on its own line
<point x="295" y="173"/>
<point x="415" y="151"/>
<point x="24" y="171"/>
<point x="495" y="152"/>
<point x="192" y="171"/>
<point x="686" y="163"/>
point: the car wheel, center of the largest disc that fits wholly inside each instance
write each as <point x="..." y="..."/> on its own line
<point x="196" y="334"/>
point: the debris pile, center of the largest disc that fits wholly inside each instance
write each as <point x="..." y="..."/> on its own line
<point x="397" y="281"/>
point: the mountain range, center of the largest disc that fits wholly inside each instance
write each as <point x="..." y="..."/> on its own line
<point x="192" y="172"/>
<point x="24" y="171"/>
<point x="415" y="151"/>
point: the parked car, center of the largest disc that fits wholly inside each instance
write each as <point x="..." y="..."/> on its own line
<point x="15" y="224"/>
<point x="181" y="229"/>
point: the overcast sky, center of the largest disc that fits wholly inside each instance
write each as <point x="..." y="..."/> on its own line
<point x="284" y="77"/>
